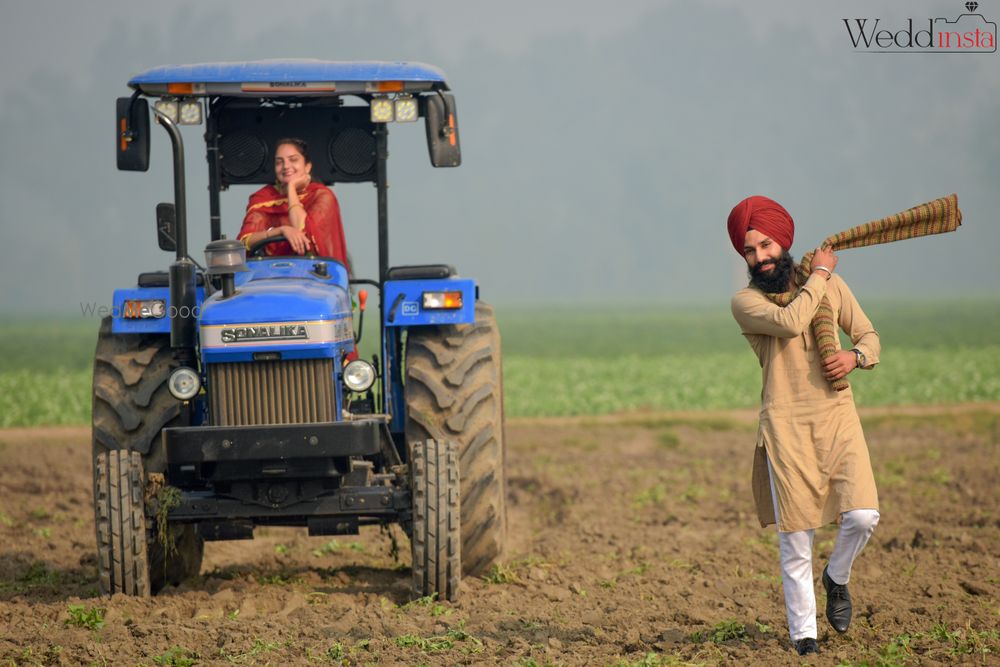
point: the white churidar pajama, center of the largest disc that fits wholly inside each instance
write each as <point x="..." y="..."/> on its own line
<point x="795" y="551"/>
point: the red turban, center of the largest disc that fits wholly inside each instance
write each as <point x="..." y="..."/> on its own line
<point x="766" y="216"/>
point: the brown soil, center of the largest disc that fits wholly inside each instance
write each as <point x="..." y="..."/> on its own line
<point x="631" y="536"/>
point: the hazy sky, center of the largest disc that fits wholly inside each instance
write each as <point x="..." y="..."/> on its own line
<point x="603" y="143"/>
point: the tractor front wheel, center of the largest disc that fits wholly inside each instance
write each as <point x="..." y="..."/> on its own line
<point x="119" y="489"/>
<point x="436" y="541"/>
<point x="131" y="406"/>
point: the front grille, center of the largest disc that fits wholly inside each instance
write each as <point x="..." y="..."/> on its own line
<point x="271" y="392"/>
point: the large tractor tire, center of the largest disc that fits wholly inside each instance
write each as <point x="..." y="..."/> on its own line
<point x="131" y="406"/>
<point x="454" y="392"/>
<point x="436" y="541"/>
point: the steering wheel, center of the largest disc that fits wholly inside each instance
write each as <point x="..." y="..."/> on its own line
<point x="256" y="250"/>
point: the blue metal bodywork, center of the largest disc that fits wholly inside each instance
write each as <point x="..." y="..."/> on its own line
<point x="404" y="302"/>
<point x="278" y="290"/>
<point x="291" y="70"/>
<point x="282" y="290"/>
<point x="121" y="325"/>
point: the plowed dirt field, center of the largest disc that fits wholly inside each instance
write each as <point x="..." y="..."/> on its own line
<point x="633" y="541"/>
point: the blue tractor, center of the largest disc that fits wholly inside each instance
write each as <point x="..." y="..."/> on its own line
<point x="229" y="396"/>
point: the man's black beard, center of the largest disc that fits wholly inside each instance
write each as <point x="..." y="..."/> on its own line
<point x="777" y="280"/>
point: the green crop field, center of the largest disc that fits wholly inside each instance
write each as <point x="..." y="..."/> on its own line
<point x="574" y="361"/>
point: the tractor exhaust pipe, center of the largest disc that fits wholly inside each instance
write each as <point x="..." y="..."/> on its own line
<point x="183" y="297"/>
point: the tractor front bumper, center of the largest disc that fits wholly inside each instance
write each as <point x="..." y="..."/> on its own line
<point x="322" y="475"/>
<point x="212" y="444"/>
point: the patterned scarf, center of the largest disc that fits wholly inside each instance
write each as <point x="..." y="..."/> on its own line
<point x="935" y="217"/>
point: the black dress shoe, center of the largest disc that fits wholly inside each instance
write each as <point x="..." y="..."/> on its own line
<point x="838" y="603"/>
<point x="806" y="646"/>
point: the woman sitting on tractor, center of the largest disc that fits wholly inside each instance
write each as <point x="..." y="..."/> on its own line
<point x="305" y="213"/>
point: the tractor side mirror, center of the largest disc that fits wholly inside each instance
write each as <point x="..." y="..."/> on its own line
<point x="442" y="130"/>
<point x="166" y="226"/>
<point x="132" y="133"/>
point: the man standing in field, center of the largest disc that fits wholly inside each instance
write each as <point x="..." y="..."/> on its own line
<point x="811" y="465"/>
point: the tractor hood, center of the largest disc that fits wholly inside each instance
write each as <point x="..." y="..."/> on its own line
<point x="281" y="309"/>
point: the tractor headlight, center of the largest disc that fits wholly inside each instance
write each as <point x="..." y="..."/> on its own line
<point x="190" y="112"/>
<point x="359" y="375"/>
<point x="442" y="300"/>
<point x="382" y="110"/>
<point x="168" y="107"/>
<point x="184" y="384"/>
<point x="406" y="109"/>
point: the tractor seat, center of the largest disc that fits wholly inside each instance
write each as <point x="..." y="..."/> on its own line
<point x="416" y="271"/>
<point x="162" y="279"/>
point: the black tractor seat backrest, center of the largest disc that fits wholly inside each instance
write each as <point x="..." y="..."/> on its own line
<point x="415" y="271"/>
<point x="162" y="279"/>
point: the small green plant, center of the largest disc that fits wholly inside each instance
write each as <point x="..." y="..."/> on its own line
<point x="941" y="633"/>
<point x="356" y="546"/>
<point x="728" y="630"/>
<point x="501" y="573"/>
<point x="458" y="633"/>
<point x="281" y="549"/>
<point x="44" y="533"/>
<point x="653" y="496"/>
<point x="895" y="653"/>
<point x="723" y="631"/>
<point x="176" y="657"/>
<point x="979" y="642"/>
<point x="649" y="660"/>
<point x="638" y="570"/>
<point x="425" y="644"/>
<point x="280" y="578"/>
<point x="444" y="642"/>
<point x="330" y="547"/>
<point x="82" y="617"/>
<point x="337" y="653"/>
<point x="693" y="493"/>
<point x="259" y="646"/>
<point x="433" y="606"/>
<point x="40" y="513"/>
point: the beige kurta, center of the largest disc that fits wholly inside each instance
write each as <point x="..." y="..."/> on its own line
<point x="810" y="433"/>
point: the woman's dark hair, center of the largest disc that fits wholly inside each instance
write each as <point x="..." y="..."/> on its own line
<point x="301" y="145"/>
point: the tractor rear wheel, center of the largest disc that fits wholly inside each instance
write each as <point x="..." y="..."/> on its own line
<point x="131" y="406"/>
<point x="436" y="540"/>
<point x="454" y="392"/>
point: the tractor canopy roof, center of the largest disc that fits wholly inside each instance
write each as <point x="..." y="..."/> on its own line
<point x="292" y="77"/>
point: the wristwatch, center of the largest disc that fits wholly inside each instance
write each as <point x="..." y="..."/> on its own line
<point x="862" y="361"/>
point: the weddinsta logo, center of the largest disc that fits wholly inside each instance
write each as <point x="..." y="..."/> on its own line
<point x="969" y="33"/>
